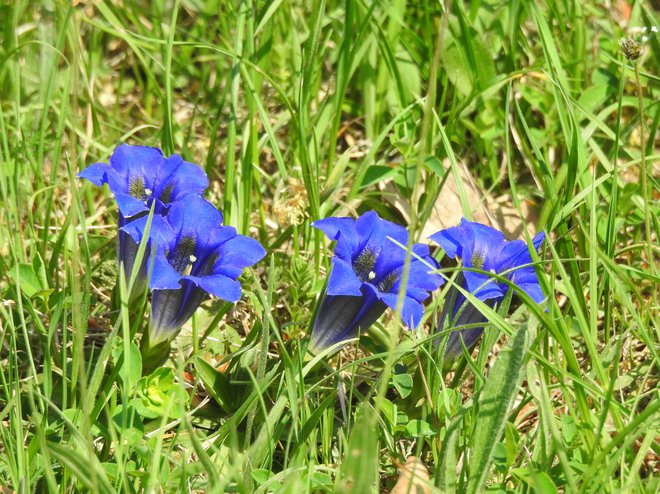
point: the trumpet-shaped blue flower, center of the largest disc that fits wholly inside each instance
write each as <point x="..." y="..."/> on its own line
<point x="141" y="177"/>
<point x="484" y="248"/>
<point x="366" y="276"/>
<point x="196" y="257"/>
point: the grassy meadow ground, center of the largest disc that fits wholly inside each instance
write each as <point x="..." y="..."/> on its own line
<point x="521" y="114"/>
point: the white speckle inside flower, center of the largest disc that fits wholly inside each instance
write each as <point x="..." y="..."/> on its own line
<point x="372" y="275"/>
<point x="192" y="259"/>
<point x="148" y="192"/>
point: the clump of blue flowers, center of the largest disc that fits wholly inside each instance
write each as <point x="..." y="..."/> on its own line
<point x="140" y="178"/>
<point x="197" y="256"/>
<point x="366" y="276"/>
<point x="485" y="251"/>
<point x="190" y="254"/>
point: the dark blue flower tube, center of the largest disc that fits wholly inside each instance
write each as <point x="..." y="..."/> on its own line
<point x="140" y="177"/>
<point x="484" y="248"/>
<point x="198" y="257"/>
<point x="367" y="270"/>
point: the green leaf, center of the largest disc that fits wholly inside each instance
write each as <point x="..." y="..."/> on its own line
<point x="467" y="60"/>
<point x="377" y="173"/>
<point x="494" y="403"/>
<point x="457" y="69"/>
<point x="512" y="442"/>
<point x="359" y="469"/>
<point x="540" y="482"/>
<point x="592" y="97"/>
<point x="499" y="457"/>
<point x="265" y="442"/>
<point x="129" y="423"/>
<point x="131" y="367"/>
<point x="261" y="475"/>
<point x="316" y="415"/>
<point x="82" y="465"/>
<point x="31" y="282"/>
<point x="216" y="384"/>
<point x="419" y="428"/>
<point x="623" y="381"/>
<point x="568" y="428"/>
<point x="321" y="482"/>
<point x="159" y="395"/>
<point x="403" y="384"/>
<point x="388" y="411"/>
<point x="39" y="268"/>
<point x="449" y="463"/>
<point x="435" y="165"/>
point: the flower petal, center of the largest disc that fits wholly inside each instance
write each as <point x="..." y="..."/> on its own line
<point x="487" y="243"/>
<point x="219" y="286"/>
<point x="177" y="178"/>
<point x="141" y="174"/>
<point x="343" y="280"/>
<point x="196" y="218"/>
<point x="482" y="286"/>
<point x="533" y="290"/>
<point x="421" y="276"/>
<point x="538" y="240"/>
<point x="342" y="230"/>
<point x="470" y="336"/>
<point x="100" y="173"/>
<point x="127" y="250"/>
<point x="411" y="312"/>
<point x="170" y="309"/>
<point x="392" y="255"/>
<point x="463" y="314"/>
<point x="160" y="232"/>
<point x="130" y="206"/>
<point x="163" y="275"/>
<point x="418" y="294"/>
<point x="131" y="162"/>
<point x="453" y="241"/>
<point x="512" y="254"/>
<point x="96" y="173"/>
<point x="523" y="274"/>
<point x="367" y="225"/>
<point x="165" y="305"/>
<point x="516" y="253"/>
<point x="240" y="251"/>
<point x="333" y="227"/>
<point x="370" y="260"/>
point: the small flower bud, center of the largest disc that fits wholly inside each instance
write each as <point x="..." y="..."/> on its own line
<point x="630" y="48"/>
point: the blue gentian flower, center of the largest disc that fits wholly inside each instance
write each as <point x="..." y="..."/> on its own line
<point x="196" y="257"/>
<point x="484" y="248"/>
<point x="365" y="279"/>
<point x="141" y="177"/>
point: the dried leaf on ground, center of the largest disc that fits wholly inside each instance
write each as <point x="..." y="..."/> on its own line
<point x="499" y="212"/>
<point x="413" y="478"/>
